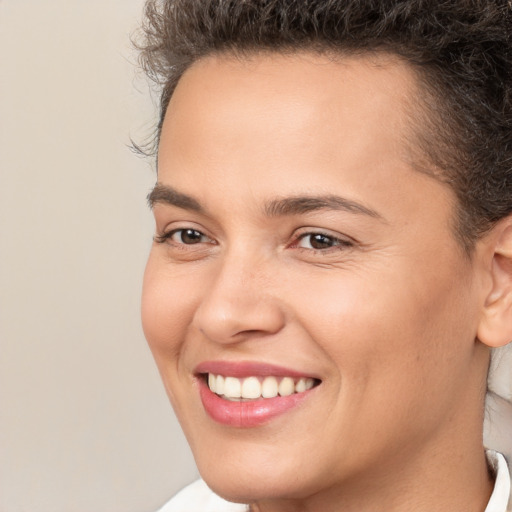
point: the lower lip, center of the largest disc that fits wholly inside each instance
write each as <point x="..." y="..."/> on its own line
<point x="250" y="413"/>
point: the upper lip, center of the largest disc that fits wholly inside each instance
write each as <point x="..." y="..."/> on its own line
<point x="243" y="369"/>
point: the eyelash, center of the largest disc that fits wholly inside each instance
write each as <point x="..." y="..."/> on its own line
<point x="165" y="237"/>
<point x="337" y="243"/>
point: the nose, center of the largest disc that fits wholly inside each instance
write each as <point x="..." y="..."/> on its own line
<point x="239" y="302"/>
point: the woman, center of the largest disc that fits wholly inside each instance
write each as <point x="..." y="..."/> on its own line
<point x="332" y="263"/>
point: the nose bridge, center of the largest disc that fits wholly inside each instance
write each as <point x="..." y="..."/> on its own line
<point x="238" y="299"/>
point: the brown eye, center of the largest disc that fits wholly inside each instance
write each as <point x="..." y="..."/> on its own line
<point x="317" y="241"/>
<point x="320" y="241"/>
<point x="188" y="236"/>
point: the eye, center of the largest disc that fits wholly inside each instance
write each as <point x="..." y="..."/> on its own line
<point x="321" y="241"/>
<point x="186" y="236"/>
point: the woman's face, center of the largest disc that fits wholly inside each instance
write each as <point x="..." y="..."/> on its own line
<point x="297" y="247"/>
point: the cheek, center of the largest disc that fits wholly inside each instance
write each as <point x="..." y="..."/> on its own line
<point x="166" y="309"/>
<point x="168" y="304"/>
<point x="393" y="335"/>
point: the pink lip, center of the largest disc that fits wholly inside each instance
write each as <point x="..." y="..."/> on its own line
<point x="247" y="369"/>
<point x="247" y="413"/>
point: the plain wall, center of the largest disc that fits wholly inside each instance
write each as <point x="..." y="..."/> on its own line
<point x="84" y="422"/>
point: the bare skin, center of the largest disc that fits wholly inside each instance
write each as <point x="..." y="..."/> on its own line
<point x="368" y="291"/>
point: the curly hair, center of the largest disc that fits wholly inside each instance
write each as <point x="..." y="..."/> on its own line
<point x="460" y="51"/>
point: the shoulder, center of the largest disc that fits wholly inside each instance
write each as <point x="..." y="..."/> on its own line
<point x="198" y="497"/>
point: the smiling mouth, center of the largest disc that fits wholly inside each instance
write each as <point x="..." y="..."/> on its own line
<point x="257" y="388"/>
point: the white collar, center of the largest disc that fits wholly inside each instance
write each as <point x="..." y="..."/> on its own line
<point x="500" y="495"/>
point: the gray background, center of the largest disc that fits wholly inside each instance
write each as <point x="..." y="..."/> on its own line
<point x="85" y="425"/>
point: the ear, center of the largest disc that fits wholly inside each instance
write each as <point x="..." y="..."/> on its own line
<point x="495" y="327"/>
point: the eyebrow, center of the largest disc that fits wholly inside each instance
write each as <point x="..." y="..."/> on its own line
<point x="305" y="204"/>
<point x="168" y="195"/>
<point x="281" y="207"/>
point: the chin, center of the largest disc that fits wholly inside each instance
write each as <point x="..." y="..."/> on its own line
<point x="246" y="482"/>
<point x="247" y="489"/>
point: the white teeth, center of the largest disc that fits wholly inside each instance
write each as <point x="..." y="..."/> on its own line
<point x="269" y="387"/>
<point x="232" y="387"/>
<point x="254" y="387"/>
<point x="286" y="387"/>
<point x="211" y="381"/>
<point x="300" y="386"/>
<point x="219" y="385"/>
<point x="251" y="388"/>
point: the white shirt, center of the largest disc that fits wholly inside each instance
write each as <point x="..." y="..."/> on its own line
<point x="197" y="497"/>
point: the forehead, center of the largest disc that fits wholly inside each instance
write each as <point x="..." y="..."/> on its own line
<point x="296" y="94"/>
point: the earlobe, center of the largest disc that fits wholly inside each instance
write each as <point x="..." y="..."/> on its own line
<point x="495" y="328"/>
